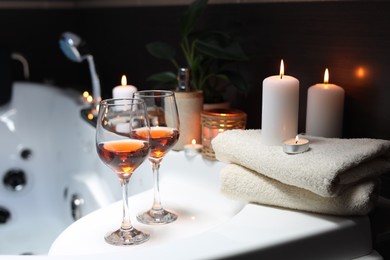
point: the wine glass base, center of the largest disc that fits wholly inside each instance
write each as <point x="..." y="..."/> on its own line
<point x="123" y="237"/>
<point x="157" y="217"/>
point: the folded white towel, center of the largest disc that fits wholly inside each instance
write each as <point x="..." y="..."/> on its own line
<point x="240" y="183"/>
<point x="330" y="166"/>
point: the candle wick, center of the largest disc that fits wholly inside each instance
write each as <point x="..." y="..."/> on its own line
<point x="296" y="141"/>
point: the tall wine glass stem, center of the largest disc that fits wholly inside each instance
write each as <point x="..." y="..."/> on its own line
<point x="157" y="214"/>
<point x="156" y="175"/>
<point x="126" y="222"/>
<point x="126" y="234"/>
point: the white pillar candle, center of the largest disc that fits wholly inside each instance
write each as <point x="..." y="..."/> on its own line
<point x="124" y="90"/>
<point x="279" y="120"/>
<point x="325" y="108"/>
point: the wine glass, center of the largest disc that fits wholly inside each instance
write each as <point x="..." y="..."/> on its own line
<point x="123" y="151"/>
<point x="164" y="133"/>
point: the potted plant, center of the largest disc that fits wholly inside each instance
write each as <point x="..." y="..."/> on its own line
<point x="208" y="54"/>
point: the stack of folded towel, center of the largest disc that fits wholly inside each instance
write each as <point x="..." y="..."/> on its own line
<point x="335" y="176"/>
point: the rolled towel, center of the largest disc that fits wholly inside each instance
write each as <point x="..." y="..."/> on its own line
<point x="330" y="166"/>
<point x="240" y="183"/>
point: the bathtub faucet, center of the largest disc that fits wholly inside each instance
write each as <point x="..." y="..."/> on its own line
<point x="73" y="47"/>
<point x="26" y="68"/>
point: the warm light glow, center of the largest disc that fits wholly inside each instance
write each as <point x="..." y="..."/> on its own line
<point x="296" y="139"/>
<point x="326" y="76"/>
<point x="193" y="141"/>
<point x="85" y="94"/>
<point x="124" y="80"/>
<point x="281" y="68"/>
<point x="89" y="99"/>
<point x="90" y="116"/>
<point x="360" y="72"/>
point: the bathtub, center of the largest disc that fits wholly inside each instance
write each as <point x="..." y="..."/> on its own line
<point x="48" y="146"/>
<point x="43" y="135"/>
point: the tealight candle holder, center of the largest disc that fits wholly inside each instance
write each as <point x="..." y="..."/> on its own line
<point x="295" y="145"/>
<point x="192" y="149"/>
<point x="215" y="121"/>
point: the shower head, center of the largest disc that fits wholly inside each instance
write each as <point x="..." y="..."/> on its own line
<point x="70" y="44"/>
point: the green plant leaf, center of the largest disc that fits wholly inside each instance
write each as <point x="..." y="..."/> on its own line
<point x="161" y="50"/>
<point x="231" y="52"/>
<point x="191" y="16"/>
<point x="165" y="77"/>
<point x="219" y="38"/>
<point x="223" y="77"/>
<point x="235" y="79"/>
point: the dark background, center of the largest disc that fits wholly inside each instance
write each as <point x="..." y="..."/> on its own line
<point x="309" y="36"/>
<point x="344" y="36"/>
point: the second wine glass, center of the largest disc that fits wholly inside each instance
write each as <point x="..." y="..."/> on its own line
<point x="164" y="133"/>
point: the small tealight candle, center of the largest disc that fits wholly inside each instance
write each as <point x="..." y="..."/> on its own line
<point x="193" y="148"/>
<point x="123" y="91"/>
<point x="295" y="145"/>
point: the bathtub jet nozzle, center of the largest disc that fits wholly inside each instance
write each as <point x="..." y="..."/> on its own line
<point x="15" y="180"/>
<point x="74" y="49"/>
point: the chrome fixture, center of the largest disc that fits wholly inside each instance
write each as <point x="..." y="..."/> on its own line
<point x="72" y="46"/>
<point x="183" y="79"/>
<point x="15" y="180"/>
<point x="26" y="68"/>
<point x="76" y="203"/>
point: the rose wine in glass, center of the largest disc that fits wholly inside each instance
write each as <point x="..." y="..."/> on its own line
<point x="120" y="150"/>
<point x="164" y="133"/>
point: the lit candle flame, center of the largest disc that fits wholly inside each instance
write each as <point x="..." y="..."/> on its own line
<point x="326" y="76"/>
<point x="281" y="68"/>
<point x="296" y="139"/>
<point x="193" y="141"/>
<point x="124" y="80"/>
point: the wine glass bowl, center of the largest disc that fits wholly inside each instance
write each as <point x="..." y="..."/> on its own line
<point x="123" y="151"/>
<point x="164" y="133"/>
<point x="123" y="157"/>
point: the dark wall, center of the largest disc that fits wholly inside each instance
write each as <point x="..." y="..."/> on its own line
<point x="341" y="36"/>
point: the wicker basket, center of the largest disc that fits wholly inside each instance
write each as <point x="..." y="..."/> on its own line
<point x="215" y="121"/>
